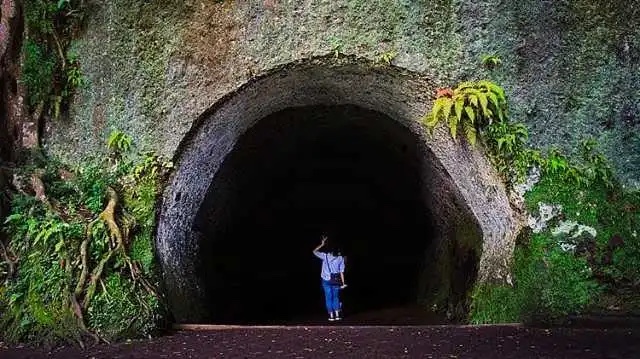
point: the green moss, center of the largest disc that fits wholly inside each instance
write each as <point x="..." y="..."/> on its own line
<point x="135" y="40"/>
<point x="119" y="311"/>
<point x="495" y="303"/>
<point x="551" y="282"/>
<point x="582" y="203"/>
<point x="48" y="239"/>
<point x="548" y="284"/>
<point x="611" y="211"/>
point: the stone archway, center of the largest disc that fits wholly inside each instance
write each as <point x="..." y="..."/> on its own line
<point x="471" y="227"/>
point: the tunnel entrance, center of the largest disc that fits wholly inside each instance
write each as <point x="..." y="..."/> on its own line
<point x="330" y="146"/>
<point x="351" y="173"/>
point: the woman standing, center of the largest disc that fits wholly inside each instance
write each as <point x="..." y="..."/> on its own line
<point x="332" y="275"/>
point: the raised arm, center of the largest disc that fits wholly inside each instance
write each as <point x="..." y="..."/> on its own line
<point x="341" y="269"/>
<point x="316" y="251"/>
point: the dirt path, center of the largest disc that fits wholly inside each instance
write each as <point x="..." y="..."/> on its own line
<point x="367" y="342"/>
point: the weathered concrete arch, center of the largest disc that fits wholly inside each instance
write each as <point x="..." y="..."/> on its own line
<point x="469" y="207"/>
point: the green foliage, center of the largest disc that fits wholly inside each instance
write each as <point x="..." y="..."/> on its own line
<point x="35" y="304"/>
<point x="386" y="57"/>
<point x="337" y="45"/>
<point x="73" y="74"/>
<point x="597" y="202"/>
<point x="37" y="72"/>
<point x="39" y="16"/>
<point x="119" y="312"/>
<point x="491" y="61"/>
<point x="468" y="108"/>
<point x="507" y="144"/>
<point x="595" y="167"/>
<point x="548" y="281"/>
<point x="49" y="76"/>
<point x="119" y="143"/>
<point x="495" y="303"/>
<point x="46" y="237"/>
<point x="548" y="284"/>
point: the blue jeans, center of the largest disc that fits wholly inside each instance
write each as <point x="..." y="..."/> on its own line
<point x="331" y="296"/>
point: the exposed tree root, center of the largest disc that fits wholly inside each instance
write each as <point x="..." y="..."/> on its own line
<point x="95" y="276"/>
<point x="118" y="240"/>
<point x="85" y="266"/>
<point x="108" y="216"/>
<point x="81" y="295"/>
<point x="38" y="187"/>
<point x="9" y="258"/>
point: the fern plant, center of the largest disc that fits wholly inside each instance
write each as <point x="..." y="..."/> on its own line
<point x="119" y="143"/>
<point x="506" y="142"/>
<point x="66" y="273"/>
<point x="595" y="165"/>
<point x="491" y="61"/>
<point x="387" y="57"/>
<point x="468" y="108"/>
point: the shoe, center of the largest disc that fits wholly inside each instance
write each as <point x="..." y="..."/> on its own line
<point x="331" y="319"/>
<point x="337" y="318"/>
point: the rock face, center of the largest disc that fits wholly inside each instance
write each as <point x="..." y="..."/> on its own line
<point x="187" y="78"/>
<point x="469" y="207"/>
<point x="571" y="68"/>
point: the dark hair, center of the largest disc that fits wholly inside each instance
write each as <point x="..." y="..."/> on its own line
<point x="334" y="248"/>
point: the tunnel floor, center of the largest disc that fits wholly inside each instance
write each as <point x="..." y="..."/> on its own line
<point x="343" y="171"/>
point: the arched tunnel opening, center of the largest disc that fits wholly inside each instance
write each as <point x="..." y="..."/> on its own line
<point x="329" y="146"/>
<point x="353" y="174"/>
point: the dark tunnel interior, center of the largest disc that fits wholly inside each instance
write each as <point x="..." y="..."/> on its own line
<point x="351" y="173"/>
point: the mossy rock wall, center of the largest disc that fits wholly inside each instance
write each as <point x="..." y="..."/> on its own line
<point x="571" y="68"/>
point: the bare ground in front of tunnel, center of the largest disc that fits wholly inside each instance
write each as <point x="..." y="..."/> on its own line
<point x="367" y="342"/>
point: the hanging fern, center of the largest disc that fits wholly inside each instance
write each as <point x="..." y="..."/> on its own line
<point x="468" y="108"/>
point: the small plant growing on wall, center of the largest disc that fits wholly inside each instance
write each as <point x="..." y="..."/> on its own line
<point x="491" y="62"/>
<point x="468" y="108"/>
<point x="337" y="45"/>
<point x="387" y="57"/>
<point x="118" y="142"/>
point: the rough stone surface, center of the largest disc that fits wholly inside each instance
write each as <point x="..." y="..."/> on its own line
<point x="571" y="68"/>
<point x="187" y="77"/>
<point x="473" y="187"/>
<point x="546" y="212"/>
<point x="570" y="234"/>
